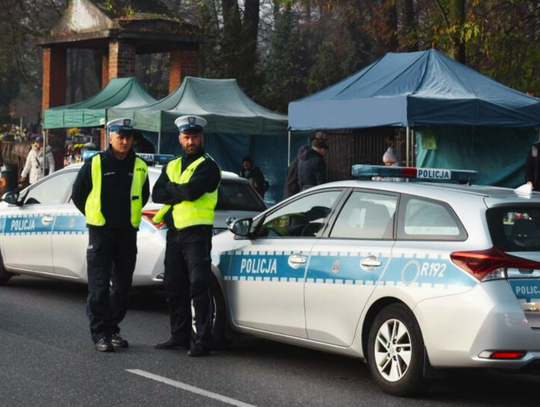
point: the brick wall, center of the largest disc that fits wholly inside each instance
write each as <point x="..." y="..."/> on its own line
<point x="54" y="77"/>
<point x="183" y="63"/>
<point x="104" y="69"/>
<point x="121" y="59"/>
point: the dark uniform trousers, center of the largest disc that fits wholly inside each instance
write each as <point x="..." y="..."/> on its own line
<point x="111" y="257"/>
<point x="187" y="278"/>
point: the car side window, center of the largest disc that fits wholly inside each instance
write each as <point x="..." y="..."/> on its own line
<point x="238" y="196"/>
<point x="366" y="215"/>
<point x="427" y="219"/>
<point x="304" y="217"/>
<point x="52" y="191"/>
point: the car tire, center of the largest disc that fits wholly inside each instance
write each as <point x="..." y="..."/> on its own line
<point x="219" y="319"/>
<point x="4" y="275"/>
<point x="219" y="326"/>
<point x="396" y="352"/>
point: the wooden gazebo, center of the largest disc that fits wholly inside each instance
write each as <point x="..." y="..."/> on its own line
<point x="120" y="29"/>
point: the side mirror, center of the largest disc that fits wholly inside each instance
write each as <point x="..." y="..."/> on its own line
<point x="241" y="227"/>
<point x="11" y="197"/>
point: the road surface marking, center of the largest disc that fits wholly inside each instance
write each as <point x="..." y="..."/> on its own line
<point x="189" y="388"/>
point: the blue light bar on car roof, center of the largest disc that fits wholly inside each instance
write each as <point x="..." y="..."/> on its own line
<point x="153" y="158"/>
<point x="438" y="174"/>
<point x="156" y="158"/>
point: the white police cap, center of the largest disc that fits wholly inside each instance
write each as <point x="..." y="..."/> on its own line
<point x="190" y="123"/>
<point x="121" y="125"/>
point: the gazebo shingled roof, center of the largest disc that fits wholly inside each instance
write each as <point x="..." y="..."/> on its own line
<point x="150" y="25"/>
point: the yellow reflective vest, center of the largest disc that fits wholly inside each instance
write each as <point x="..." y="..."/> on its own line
<point x="92" y="207"/>
<point x="188" y="213"/>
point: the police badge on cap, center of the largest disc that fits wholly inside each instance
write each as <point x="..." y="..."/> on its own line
<point x="122" y="126"/>
<point x="190" y="124"/>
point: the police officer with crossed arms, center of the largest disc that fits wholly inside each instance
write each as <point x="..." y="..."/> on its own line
<point x="110" y="190"/>
<point x="188" y="186"/>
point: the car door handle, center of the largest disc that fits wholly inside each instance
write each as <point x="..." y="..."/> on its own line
<point x="370" y="262"/>
<point x="297" y="260"/>
<point x="47" y="219"/>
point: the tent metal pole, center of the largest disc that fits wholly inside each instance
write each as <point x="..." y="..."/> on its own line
<point x="407" y="135"/>
<point x="413" y="155"/>
<point x="159" y="142"/>
<point x="288" y="148"/>
<point x="43" y="151"/>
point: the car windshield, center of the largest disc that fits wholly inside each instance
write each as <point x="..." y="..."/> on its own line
<point x="515" y="228"/>
<point x="239" y="196"/>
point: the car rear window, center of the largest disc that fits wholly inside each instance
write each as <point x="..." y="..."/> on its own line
<point x="426" y="219"/>
<point x="239" y="196"/>
<point x="515" y="228"/>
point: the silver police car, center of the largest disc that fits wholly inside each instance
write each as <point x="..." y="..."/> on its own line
<point x="414" y="278"/>
<point x="43" y="234"/>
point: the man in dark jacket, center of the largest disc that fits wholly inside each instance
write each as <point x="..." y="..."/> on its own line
<point x="312" y="167"/>
<point x="188" y="186"/>
<point x="532" y="167"/>
<point x="110" y="190"/>
<point x="254" y="175"/>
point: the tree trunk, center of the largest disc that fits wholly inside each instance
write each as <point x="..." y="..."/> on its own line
<point x="410" y="26"/>
<point x="392" y="26"/>
<point x="251" y="32"/>
<point x="457" y="14"/>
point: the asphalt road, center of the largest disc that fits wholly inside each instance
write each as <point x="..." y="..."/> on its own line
<point x="48" y="359"/>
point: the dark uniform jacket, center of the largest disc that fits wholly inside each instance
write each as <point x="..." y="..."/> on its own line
<point x="311" y="169"/>
<point x="256" y="177"/>
<point x="117" y="176"/>
<point x="532" y="166"/>
<point x="205" y="178"/>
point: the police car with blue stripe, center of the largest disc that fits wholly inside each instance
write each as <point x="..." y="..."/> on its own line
<point x="414" y="278"/>
<point x="43" y="234"/>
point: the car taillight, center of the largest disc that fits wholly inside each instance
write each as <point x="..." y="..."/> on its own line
<point x="149" y="214"/>
<point x="490" y="264"/>
<point x="502" y="354"/>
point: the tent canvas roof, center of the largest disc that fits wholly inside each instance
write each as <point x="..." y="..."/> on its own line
<point x="413" y="89"/>
<point x="92" y="112"/>
<point x="220" y="101"/>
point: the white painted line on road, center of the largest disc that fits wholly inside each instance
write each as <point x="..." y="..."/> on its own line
<point x="189" y="388"/>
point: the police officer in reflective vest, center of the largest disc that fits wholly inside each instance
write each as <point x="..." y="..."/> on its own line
<point x="110" y="190"/>
<point x="188" y="186"/>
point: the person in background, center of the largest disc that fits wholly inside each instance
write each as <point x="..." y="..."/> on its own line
<point x="532" y="167"/>
<point x="39" y="162"/>
<point x="291" y="182"/>
<point x="141" y="144"/>
<point x="254" y="175"/>
<point x="111" y="189"/>
<point x="311" y="166"/>
<point x="188" y="186"/>
<point x="390" y="158"/>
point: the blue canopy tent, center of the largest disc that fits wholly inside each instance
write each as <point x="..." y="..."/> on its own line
<point x="431" y="92"/>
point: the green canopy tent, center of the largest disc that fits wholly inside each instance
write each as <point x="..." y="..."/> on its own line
<point x="220" y="101"/>
<point x="237" y="126"/>
<point x="92" y="112"/>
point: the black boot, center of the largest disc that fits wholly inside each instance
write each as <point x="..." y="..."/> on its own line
<point x="198" y="348"/>
<point x="118" y="342"/>
<point x="104" y="345"/>
<point x="173" y="343"/>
